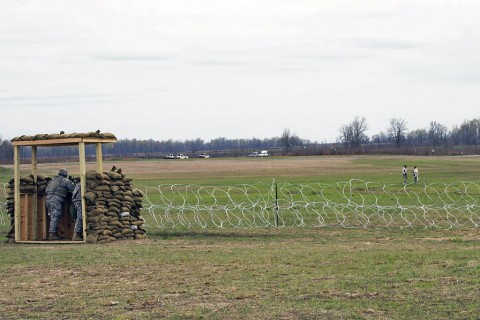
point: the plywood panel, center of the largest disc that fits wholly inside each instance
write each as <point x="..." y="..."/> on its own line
<point x="67" y="223"/>
<point x="26" y="216"/>
<point x="41" y="218"/>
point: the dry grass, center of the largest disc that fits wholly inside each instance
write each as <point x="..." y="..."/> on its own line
<point x="277" y="167"/>
<point x="248" y="274"/>
<point x="232" y="167"/>
<point x="296" y="167"/>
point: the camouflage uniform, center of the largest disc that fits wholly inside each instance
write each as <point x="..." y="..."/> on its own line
<point x="56" y="192"/>
<point x="77" y="202"/>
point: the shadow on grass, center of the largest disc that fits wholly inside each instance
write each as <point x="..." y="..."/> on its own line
<point x="249" y="234"/>
<point x="454" y="236"/>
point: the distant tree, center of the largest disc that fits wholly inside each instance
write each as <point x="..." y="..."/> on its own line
<point x="437" y="133"/>
<point x="288" y="139"/>
<point x="6" y="150"/>
<point x="346" y="135"/>
<point x="418" y="137"/>
<point x="359" y="126"/>
<point x="353" y="133"/>
<point x="396" y="131"/>
<point x="379" y="139"/>
<point x="468" y="133"/>
<point x="195" y="145"/>
<point x="219" y="143"/>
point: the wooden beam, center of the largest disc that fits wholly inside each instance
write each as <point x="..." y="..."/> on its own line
<point x="83" y="186"/>
<point x="99" y="157"/>
<point x="69" y="141"/>
<point x="34" y="163"/>
<point x="42" y="219"/>
<point x="50" y="242"/>
<point x="25" y="206"/>
<point x="35" y="211"/>
<point x="16" y="161"/>
<point x="97" y="140"/>
<point x="64" y="142"/>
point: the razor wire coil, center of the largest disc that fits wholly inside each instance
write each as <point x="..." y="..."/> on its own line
<point x="346" y="204"/>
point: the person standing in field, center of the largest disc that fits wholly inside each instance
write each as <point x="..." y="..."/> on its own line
<point x="404" y="173"/>
<point x="415" y="174"/>
<point x="56" y="191"/>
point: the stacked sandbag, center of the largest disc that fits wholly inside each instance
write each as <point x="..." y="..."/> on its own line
<point x="28" y="186"/>
<point x="113" y="207"/>
<point x="62" y="135"/>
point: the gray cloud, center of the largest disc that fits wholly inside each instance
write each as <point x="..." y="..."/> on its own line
<point x="220" y="63"/>
<point x="333" y="56"/>
<point x="443" y="73"/>
<point x="132" y="57"/>
<point x="64" y="100"/>
<point x="386" y="44"/>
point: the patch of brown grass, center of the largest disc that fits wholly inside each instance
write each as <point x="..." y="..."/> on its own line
<point x="214" y="168"/>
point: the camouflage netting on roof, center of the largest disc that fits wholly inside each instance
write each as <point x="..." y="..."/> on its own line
<point x="44" y="136"/>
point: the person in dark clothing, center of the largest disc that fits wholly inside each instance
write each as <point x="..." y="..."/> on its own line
<point x="404" y="173"/>
<point x="56" y="191"/>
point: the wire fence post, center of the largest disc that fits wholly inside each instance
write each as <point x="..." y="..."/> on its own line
<point x="276" y="204"/>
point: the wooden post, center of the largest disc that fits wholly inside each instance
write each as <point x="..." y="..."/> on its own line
<point x="99" y="157"/>
<point x="34" y="162"/>
<point x="24" y="217"/>
<point x="83" y="185"/>
<point x="35" y="195"/>
<point x="16" y="159"/>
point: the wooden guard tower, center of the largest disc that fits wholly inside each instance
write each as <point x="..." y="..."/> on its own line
<point x="33" y="206"/>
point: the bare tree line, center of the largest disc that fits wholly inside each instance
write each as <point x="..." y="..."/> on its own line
<point x="352" y="139"/>
<point x="352" y="135"/>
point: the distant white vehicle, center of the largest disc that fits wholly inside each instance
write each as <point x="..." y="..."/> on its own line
<point x="203" y="155"/>
<point x="181" y="156"/>
<point x="263" y="153"/>
<point x="170" y="156"/>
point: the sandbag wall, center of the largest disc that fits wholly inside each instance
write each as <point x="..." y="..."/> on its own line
<point x="27" y="186"/>
<point x="113" y="207"/>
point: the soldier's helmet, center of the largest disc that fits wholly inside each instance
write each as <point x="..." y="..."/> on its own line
<point x="63" y="172"/>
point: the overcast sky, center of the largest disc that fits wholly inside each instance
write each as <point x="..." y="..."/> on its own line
<point x="236" y="69"/>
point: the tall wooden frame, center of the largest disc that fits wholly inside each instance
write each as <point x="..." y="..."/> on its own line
<point x="80" y="142"/>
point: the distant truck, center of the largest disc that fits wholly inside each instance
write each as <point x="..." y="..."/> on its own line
<point x="170" y="156"/>
<point x="203" y="155"/>
<point x="181" y="156"/>
<point x="263" y="153"/>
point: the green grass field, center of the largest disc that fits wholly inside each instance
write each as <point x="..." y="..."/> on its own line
<point x="256" y="273"/>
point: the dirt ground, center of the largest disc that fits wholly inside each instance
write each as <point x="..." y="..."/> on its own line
<point x="232" y="167"/>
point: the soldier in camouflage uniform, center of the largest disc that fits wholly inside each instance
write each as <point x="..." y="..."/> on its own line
<point x="56" y="191"/>
<point x="77" y="202"/>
